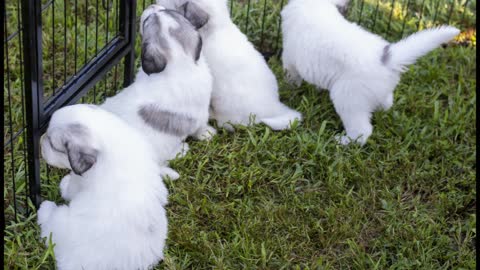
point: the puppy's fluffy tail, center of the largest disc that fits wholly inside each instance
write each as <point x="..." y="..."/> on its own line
<point x="405" y="52"/>
<point x="282" y="121"/>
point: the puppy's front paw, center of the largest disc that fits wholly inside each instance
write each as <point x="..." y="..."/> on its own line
<point x="64" y="187"/>
<point x="170" y="173"/>
<point x="206" y="133"/>
<point x="45" y="210"/>
<point x="345" y="140"/>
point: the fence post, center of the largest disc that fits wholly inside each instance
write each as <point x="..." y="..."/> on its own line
<point x="128" y="17"/>
<point x="33" y="77"/>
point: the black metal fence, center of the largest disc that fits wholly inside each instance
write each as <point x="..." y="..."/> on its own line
<point x="62" y="52"/>
<point x="55" y="51"/>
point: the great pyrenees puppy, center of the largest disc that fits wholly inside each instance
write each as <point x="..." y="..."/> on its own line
<point x="170" y="97"/>
<point x="243" y="84"/>
<point x="360" y="69"/>
<point x="116" y="217"/>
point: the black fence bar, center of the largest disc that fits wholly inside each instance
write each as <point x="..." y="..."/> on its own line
<point x="33" y="74"/>
<point x="90" y="72"/>
<point x="128" y="15"/>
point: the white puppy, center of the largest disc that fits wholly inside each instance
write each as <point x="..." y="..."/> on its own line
<point x="170" y="97"/>
<point x="116" y="217"/>
<point x="360" y="69"/>
<point x="243" y="83"/>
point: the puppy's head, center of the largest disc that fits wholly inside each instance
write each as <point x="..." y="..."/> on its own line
<point x="70" y="141"/>
<point x="167" y="37"/>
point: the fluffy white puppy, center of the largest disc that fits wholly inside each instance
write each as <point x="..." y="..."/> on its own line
<point x="243" y="84"/>
<point x="360" y="69"/>
<point x="170" y="97"/>
<point x="116" y="217"/>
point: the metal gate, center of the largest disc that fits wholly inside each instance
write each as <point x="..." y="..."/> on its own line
<point x="55" y="73"/>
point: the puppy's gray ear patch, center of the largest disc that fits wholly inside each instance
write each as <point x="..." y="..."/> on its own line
<point x="81" y="155"/>
<point x="173" y="123"/>
<point x="198" y="50"/>
<point x="386" y="55"/>
<point x="153" y="60"/>
<point x="197" y="16"/>
<point x="81" y="159"/>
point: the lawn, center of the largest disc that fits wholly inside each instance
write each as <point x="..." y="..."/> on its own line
<point x="297" y="200"/>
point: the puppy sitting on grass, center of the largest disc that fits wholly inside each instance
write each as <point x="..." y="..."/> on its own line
<point x="116" y="217"/>
<point x="170" y="97"/>
<point x="360" y="69"/>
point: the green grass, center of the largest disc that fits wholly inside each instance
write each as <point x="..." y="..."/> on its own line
<point x="297" y="200"/>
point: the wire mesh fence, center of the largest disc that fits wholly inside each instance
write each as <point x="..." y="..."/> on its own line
<point x="77" y="37"/>
<point x="81" y="42"/>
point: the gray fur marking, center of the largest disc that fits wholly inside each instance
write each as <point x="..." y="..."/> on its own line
<point x="155" y="48"/>
<point x="80" y="155"/>
<point x="197" y="16"/>
<point x="386" y="55"/>
<point x="186" y="35"/>
<point x="166" y="121"/>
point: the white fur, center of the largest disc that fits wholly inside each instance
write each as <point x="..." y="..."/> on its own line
<point x="116" y="217"/>
<point x="183" y="87"/>
<point x="323" y="48"/>
<point x="243" y="83"/>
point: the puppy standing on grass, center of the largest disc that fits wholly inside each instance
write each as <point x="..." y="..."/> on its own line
<point x="170" y="97"/>
<point x="116" y="217"/>
<point x="360" y="69"/>
<point x="243" y="83"/>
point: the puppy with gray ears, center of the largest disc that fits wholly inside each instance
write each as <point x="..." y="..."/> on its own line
<point x="170" y="97"/>
<point x="243" y="84"/>
<point x="360" y="69"/>
<point x="116" y="217"/>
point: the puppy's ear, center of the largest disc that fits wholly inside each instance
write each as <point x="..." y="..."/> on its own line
<point x="197" y="16"/>
<point x="81" y="155"/>
<point x="153" y="60"/>
<point x="198" y="50"/>
<point x="81" y="158"/>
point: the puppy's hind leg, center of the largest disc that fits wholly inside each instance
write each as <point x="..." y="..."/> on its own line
<point x="355" y="113"/>
<point x="283" y="118"/>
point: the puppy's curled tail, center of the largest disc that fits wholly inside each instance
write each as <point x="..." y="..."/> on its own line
<point x="282" y="121"/>
<point x="405" y="52"/>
